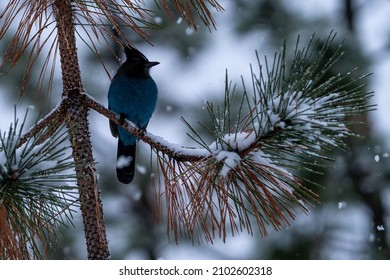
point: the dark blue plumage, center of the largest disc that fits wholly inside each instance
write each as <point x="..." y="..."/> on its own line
<point x="132" y="95"/>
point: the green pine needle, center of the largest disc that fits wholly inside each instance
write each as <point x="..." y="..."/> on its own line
<point x="37" y="192"/>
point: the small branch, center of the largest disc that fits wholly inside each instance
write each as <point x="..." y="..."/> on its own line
<point x="174" y="151"/>
<point x="52" y="120"/>
<point x="57" y="115"/>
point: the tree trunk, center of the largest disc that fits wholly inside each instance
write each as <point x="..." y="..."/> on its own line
<point x="78" y="128"/>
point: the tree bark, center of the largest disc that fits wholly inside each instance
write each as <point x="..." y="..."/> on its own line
<point x="78" y="128"/>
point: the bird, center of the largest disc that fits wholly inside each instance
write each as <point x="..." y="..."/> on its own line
<point x="133" y="96"/>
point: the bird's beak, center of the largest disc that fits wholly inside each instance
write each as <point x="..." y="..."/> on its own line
<point x="150" y="64"/>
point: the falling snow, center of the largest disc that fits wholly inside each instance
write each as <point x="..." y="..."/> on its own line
<point x="342" y="205"/>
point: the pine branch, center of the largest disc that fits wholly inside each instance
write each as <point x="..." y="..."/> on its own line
<point x="294" y="113"/>
<point x="189" y="8"/>
<point x="37" y="191"/>
<point x="47" y="126"/>
<point x="34" y="18"/>
<point x="175" y="151"/>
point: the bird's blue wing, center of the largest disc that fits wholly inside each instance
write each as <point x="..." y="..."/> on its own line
<point x="113" y="127"/>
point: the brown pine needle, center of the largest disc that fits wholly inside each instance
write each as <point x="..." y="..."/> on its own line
<point x="97" y="21"/>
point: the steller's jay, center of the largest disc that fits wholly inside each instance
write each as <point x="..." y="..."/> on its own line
<point x="132" y="95"/>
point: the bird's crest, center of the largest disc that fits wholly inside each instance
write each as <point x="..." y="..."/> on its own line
<point x="134" y="54"/>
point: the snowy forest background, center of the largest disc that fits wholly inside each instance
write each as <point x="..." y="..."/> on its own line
<point x="351" y="221"/>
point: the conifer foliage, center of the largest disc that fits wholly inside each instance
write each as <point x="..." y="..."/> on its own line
<point x="291" y="112"/>
<point x="37" y="191"/>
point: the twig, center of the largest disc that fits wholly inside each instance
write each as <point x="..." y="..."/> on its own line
<point x="51" y="120"/>
<point x="174" y="151"/>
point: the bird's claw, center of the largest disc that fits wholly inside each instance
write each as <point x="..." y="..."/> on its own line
<point x="122" y="119"/>
<point x="142" y="130"/>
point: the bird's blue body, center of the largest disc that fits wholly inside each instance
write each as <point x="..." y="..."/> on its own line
<point x="132" y="95"/>
<point x="135" y="99"/>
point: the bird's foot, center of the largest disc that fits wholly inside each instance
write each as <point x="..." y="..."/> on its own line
<point x="122" y="119"/>
<point x="142" y="130"/>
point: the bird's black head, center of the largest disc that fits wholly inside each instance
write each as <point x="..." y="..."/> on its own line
<point x="136" y="64"/>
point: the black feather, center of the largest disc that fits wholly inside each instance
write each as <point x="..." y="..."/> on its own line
<point x="125" y="167"/>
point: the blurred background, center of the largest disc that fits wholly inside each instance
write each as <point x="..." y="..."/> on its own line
<point x="352" y="219"/>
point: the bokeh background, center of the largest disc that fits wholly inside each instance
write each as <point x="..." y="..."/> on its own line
<point x="352" y="219"/>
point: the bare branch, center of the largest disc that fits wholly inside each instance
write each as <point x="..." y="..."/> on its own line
<point x="51" y="122"/>
<point x="177" y="152"/>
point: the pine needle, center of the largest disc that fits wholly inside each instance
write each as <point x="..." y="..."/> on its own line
<point x="37" y="193"/>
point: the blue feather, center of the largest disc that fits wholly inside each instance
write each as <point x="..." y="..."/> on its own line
<point x="136" y="99"/>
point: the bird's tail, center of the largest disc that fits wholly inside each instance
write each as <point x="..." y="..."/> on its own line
<point x="125" y="165"/>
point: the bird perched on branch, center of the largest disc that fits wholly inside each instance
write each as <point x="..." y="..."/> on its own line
<point x="132" y="95"/>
